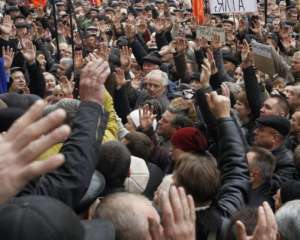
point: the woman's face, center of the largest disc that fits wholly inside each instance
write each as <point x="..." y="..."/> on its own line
<point x="242" y="109"/>
<point x="175" y="153"/>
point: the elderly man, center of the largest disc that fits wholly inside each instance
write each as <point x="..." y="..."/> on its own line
<point x="156" y="83"/>
<point x="293" y="97"/>
<point x="270" y="134"/>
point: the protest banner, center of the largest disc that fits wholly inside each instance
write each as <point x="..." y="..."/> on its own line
<point x="263" y="59"/>
<point x="232" y="6"/>
<point x="207" y="32"/>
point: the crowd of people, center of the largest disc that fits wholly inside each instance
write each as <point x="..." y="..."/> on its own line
<point x="119" y="120"/>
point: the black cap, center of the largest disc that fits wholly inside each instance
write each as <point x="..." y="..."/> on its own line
<point x="109" y="9"/>
<point x="12" y="8"/>
<point x="43" y="218"/>
<point x="22" y="25"/>
<point x="152" y="58"/>
<point x="280" y="124"/>
<point x="17" y="69"/>
<point x="228" y="56"/>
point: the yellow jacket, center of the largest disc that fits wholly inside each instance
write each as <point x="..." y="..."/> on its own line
<point x="111" y="131"/>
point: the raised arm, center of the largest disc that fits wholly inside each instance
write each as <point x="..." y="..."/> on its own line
<point x="235" y="183"/>
<point x="70" y="182"/>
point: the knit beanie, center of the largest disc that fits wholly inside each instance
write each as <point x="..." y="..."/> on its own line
<point x="190" y="140"/>
<point x="290" y="191"/>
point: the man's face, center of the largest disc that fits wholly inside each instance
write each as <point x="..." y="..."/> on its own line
<point x="65" y="51"/>
<point x="79" y="11"/>
<point x="275" y="24"/>
<point x="154" y="87"/>
<point x="296" y="64"/>
<point x="165" y="128"/>
<point x="42" y="61"/>
<point x="292" y="97"/>
<point x="270" y="107"/>
<point x="50" y="82"/>
<point x="21" y="32"/>
<point x="228" y="27"/>
<point x="295" y="123"/>
<point x="250" y="156"/>
<point x="148" y="67"/>
<point x="91" y="42"/>
<point x="264" y="137"/>
<point x="19" y="82"/>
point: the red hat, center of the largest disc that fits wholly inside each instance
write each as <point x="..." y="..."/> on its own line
<point x="189" y="140"/>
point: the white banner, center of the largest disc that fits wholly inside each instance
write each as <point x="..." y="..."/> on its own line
<point x="208" y="32"/>
<point x="232" y="6"/>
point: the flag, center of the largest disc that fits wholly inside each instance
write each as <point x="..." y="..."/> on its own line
<point x="96" y="3"/>
<point x="198" y="10"/>
<point x="39" y="3"/>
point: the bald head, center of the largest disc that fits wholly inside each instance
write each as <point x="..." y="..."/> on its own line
<point x="129" y="213"/>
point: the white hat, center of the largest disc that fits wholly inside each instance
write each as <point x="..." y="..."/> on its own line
<point x="138" y="176"/>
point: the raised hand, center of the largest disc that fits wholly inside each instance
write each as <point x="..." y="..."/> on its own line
<point x="246" y="54"/>
<point x="201" y="43"/>
<point x="178" y="217"/>
<point x="125" y="58"/>
<point x="212" y="62"/>
<point x="120" y="78"/>
<point x="266" y="227"/>
<point x="28" y="50"/>
<point x="79" y="60"/>
<point x="67" y="86"/>
<point x="130" y="31"/>
<point x="27" y="139"/>
<point x="225" y="90"/>
<point x="7" y="25"/>
<point x="219" y="105"/>
<point x="205" y="73"/>
<point x="8" y="57"/>
<point x="92" y="79"/>
<point x="146" y="117"/>
<point x="216" y="42"/>
<point x="103" y="51"/>
<point x="181" y="45"/>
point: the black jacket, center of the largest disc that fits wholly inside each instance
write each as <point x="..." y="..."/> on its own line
<point x="70" y="182"/>
<point x="261" y="194"/>
<point x="285" y="168"/>
<point x="233" y="193"/>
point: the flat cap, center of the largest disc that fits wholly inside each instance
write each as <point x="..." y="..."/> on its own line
<point x="280" y="124"/>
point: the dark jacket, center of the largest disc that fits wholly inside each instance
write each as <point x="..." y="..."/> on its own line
<point x="261" y="194"/>
<point x="235" y="187"/>
<point x="285" y="168"/>
<point x="70" y="182"/>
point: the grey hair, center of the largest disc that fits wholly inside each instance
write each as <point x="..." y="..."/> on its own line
<point x="288" y="220"/>
<point x="66" y="61"/>
<point x="297" y="54"/>
<point x="158" y="74"/>
<point x="121" y="210"/>
<point x="71" y="107"/>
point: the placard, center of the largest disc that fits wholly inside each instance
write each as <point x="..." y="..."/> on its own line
<point x="232" y="6"/>
<point x="263" y="59"/>
<point x="207" y="32"/>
